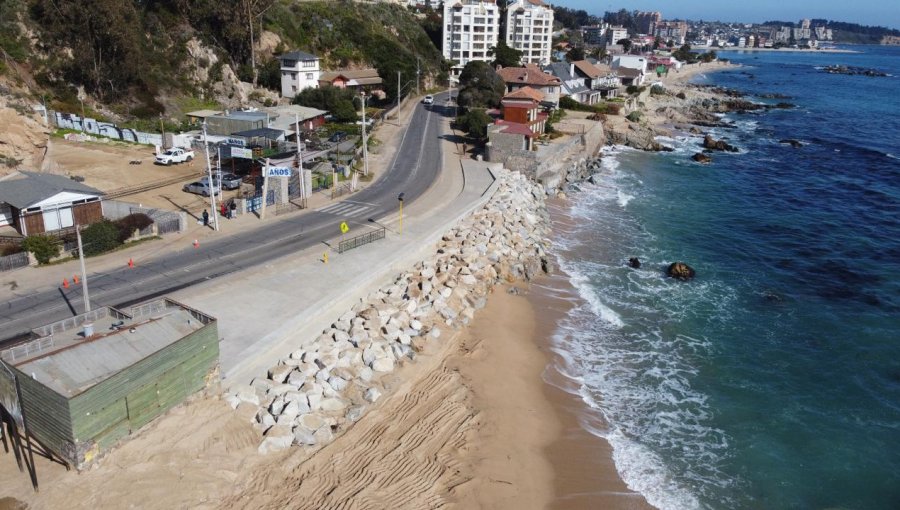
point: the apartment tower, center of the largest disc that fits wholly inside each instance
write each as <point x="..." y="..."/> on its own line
<point x="471" y="29"/>
<point x="529" y="28"/>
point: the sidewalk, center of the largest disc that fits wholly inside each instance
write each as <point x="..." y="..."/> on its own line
<point x="28" y="280"/>
<point x="267" y="313"/>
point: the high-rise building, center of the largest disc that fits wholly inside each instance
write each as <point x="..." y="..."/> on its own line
<point x="672" y="31"/>
<point x="645" y="22"/>
<point x="616" y="34"/>
<point x="529" y="25"/>
<point x="471" y="29"/>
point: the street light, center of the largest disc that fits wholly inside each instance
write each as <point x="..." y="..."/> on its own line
<point x="400" y="198"/>
<point x="212" y="184"/>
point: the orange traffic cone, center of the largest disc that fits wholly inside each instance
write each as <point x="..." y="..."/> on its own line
<point x="75" y="279"/>
<point x="65" y="283"/>
<point x="131" y="263"/>
<point x="196" y="243"/>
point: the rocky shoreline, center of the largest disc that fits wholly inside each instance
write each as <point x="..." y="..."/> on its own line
<point x="320" y="389"/>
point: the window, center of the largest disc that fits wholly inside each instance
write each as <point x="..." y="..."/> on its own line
<point x="310" y="76"/>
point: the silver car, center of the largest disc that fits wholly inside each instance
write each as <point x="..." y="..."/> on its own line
<point x="200" y="188"/>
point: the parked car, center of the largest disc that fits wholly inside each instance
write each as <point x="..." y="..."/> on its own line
<point x="429" y="99"/>
<point x="200" y="188"/>
<point x="338" y="136"/>
<point x="174" y="155"/>
<point x="229" y="181"/>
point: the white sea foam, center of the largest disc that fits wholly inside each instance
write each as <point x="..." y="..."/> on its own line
<point x="618" y="352"/>
<point x="624" y="198"/>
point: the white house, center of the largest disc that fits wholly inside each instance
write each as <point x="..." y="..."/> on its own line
<point x="471" y="29"/>
<point x="616" y="34"/>
<point x="529" y="24"/>
<point x="638" y="62"/>
<point x="34" y="203"/>
<point x="299" y="70"/>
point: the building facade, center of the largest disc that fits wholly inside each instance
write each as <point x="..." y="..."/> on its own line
<point x="299" y="70"/>
<point x="529" y="25"/>
<point x="616" y="34"/>
<point x="471" y="29"/>
<point x="645" y="22"/>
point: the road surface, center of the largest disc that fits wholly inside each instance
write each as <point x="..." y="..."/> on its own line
<point x="415" y="167"/>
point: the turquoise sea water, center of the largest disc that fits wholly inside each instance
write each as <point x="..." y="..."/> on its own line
<point x="773" y="379"/>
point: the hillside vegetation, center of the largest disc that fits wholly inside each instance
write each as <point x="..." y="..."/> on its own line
<point x="141" y="58"/>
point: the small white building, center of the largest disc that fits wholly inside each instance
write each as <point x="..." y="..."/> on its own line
<point x="529" y="25"/>
<point x="616" y="34"/>
<point x="299" y="70"/>
<point x="638" y="62"/>
<point x="471" y="29"/>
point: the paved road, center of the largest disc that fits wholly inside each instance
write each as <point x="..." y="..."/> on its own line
<point x="415" y="167"/>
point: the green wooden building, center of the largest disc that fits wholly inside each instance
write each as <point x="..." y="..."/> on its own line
<point x="88" y="381"/>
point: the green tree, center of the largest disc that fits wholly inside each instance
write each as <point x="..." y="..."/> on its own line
<point x="626" y="44"/>
<point x="504" y="56"/>
<point x="337" y="101"/>
<point x="480" y="86"/>
<point x="100" y="237"/>
<point x="475" y="123"/>
<point x="575" y="54"/>
<point x="43" y="248"/>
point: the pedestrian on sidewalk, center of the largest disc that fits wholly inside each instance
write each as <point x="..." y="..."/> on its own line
<point x="233" y="211"/>
<point x="205" y="218"/>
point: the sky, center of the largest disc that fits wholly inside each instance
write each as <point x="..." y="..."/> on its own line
<point x="864" y="12"/>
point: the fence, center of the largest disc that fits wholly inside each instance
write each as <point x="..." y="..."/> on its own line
<point x="357" y="241"/>
<point x="167" y="222"/>
<point x="14" y="261"/>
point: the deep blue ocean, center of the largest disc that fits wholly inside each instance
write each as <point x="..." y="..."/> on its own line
<point x="772" y="380"/>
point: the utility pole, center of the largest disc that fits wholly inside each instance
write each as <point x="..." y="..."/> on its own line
<point x="398" y="94"/>
<point x="365" y="141"/>
<point x="212" y="187"/>
<point x="84" y="278"/>
<point x="417" y="76"/>
<point x="252" y="53"/>
<point x="300" y="161"/>
<point x="162" y="129"/>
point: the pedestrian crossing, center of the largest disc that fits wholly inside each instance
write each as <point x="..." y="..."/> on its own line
<point x="346" y="209"/>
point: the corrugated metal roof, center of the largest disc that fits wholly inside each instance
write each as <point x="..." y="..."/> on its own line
<point x="86" y="362"/>
<point x="32" y="187"/>
<point x="271" y="134"/>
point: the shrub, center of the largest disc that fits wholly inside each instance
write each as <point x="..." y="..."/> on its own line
<point x="632" y="89"/>
<point x="657" y="90"/>
<point x="634" y="116"/>
<point x="44" y="248"/>
<point x="130" y="223"/>
<point x="681" y="95"/>
<point x="100" y="237"/>
<point x="614" y="108"/>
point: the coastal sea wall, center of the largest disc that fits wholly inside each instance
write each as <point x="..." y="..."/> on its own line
<point x="329" y="382"/>
<point x="551" y="165"/>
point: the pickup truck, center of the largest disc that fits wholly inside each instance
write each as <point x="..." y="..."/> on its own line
<point x="174" y="155"/>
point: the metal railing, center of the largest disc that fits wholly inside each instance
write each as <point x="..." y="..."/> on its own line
<point x="14" y="261"/>
<point x="357" y="241"/>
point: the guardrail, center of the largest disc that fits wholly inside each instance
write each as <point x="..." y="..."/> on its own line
<point x="357" y="241"/>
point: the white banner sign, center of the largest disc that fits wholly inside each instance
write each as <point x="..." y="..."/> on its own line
<point x="240" y="152"/>
<point x="279" y="171"/>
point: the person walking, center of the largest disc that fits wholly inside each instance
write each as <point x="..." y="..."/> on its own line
<point x="205" y="218"/>
<point x="233" y="210"/>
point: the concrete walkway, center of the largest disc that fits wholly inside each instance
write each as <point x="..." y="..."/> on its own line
<point x="266" y="314"/>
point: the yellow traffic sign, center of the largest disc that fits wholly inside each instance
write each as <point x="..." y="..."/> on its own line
<point x="344" y="227"/>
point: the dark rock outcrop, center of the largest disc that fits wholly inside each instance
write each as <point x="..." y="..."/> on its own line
<point x="634" y="262"/>
<point x="718" y="145"/>
<point x="701" y="157"/>
<point x="793" y="143"/>
<point x="680" y="271"/>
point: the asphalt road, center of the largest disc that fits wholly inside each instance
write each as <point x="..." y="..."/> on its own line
<point x="415" y="167"/>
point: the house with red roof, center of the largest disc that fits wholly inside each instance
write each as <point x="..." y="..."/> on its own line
<point x="523" y="118"/>
<point x="534" y="77"/>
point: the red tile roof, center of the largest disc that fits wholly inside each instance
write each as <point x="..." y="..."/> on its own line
<point x="588" y="69"/>
<point x="525" y="93"/>
<point x="528" y="75"/>
<point x="514" y="128"/>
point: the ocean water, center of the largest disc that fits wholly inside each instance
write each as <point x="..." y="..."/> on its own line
<point x="772" y="380"/>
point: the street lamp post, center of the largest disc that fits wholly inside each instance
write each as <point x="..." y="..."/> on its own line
<point x="365" y="141"/>
<point x="212" y="187"/>
<point x="84" y="277"/>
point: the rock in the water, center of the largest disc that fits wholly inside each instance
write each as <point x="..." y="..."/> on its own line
<point x="702" y="158"/>
<point x="793" y="143"/>
<point x="718" y="145"/>
<point x="634" y="262"/>
<point x="680" y="270"/>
